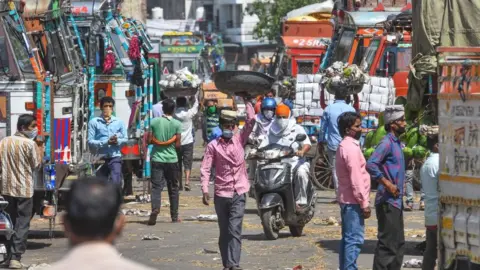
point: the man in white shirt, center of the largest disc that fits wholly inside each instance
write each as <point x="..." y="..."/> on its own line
<point x="283" y="131"/>
<point x="429" y="177"/>
<point x="185" y="153"/>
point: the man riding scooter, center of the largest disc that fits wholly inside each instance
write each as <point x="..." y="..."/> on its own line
<point x="263" y="121"/>
<point x="283" y="131"/>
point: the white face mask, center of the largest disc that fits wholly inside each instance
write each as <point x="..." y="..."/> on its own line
<point x="282" y="123"/>
<point x="268" y="114"/>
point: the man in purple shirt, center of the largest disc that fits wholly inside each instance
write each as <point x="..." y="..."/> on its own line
<point x="387" y="167"/>
<point x="231" y="182"/>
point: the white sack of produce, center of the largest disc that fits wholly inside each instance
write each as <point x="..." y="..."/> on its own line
<point x="309" y="78"/>
<point x="380" y="90"/>
<point x="377" y="98"/>
<point x="303" y="103"/>
<point x="303" y="96"/>
<point x="315" y="112"/>
<point x="372" y="107"/>
<point x="316" y="95"/>
<point x="307" y="87"/>
<point x="299" y="112"/>
<point x="366" y="88"/>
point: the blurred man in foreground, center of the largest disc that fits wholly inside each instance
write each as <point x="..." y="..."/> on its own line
<point x="92" y="224"/>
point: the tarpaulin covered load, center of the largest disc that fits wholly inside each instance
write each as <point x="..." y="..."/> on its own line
<point x="438" y="23"/>
<point x="324" y="7"/>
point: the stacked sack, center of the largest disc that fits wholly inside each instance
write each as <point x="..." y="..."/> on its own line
<point x="307" y="95"/>
<point x="377" y="94"/>
<point x="181" y="79"/>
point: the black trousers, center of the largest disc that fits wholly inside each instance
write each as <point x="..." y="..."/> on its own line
<point x="20" y="211"/>
<point x="230" y="213"/>
<point x="430" y="254"/>
<point x="165" y="174"/>
<point x="391" y="238"/>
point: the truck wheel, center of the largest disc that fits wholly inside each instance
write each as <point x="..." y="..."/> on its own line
<point x="296" y="231"/>
<point x="268" y="222"/>
<point x="321" y="172"/>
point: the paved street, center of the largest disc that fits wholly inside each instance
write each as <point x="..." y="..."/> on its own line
<point x="193" y="244"/>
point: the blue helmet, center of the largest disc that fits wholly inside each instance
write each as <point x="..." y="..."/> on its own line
<point x="268" y="103"/>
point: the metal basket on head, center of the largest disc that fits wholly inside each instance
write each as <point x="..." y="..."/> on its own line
<point x="239" y="82"/>
<point x="174" y="92"/>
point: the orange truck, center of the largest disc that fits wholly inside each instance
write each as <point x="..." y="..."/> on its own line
<point x="354" y="33"/>
<point x="389" y="55"/>
<point x="305" y="44"/>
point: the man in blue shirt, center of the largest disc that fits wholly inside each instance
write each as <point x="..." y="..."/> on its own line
<point x="387" y="167"/>
<point x="106" y="135"/>
<point x="329" y="130"/>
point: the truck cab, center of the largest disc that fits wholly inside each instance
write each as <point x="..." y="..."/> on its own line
<point x="354" y="31"/>
<point x="389" y="55"/>
<point x="305" y="44"/>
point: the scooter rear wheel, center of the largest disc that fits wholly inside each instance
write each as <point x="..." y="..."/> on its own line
<point x="296" y="231"/>
<point x="268" y="222"/>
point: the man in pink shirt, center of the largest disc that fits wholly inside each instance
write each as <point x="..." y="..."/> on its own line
<point x="226" y="154"/>
<point x="353" y="189"/>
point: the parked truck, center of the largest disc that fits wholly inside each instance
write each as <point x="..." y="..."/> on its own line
<point x="105" y="33"/>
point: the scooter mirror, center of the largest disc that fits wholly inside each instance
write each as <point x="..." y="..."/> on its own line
<point x="300" y="137"/>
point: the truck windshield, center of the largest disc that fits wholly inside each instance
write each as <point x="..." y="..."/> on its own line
<point x="370" y="55"/>
<point x="62" y="66"/>
<point x="19" y="49"/>
<point x="345" y="45"/>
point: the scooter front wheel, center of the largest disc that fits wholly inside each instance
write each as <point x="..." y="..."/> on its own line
<point x="269" y="223"/>
<point x="296" y="231"/>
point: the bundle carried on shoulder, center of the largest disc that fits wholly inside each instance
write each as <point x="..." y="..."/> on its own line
<point x="342" y="78"/>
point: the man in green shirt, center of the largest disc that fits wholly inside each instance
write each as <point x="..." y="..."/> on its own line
<point x="165" y="169"/>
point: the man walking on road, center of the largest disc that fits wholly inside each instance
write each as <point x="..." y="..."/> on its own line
<point x="165" y="170"/>
<point x="231" y="183"/>
<point x="185" y="153"/>
<point x="353" y="190"/>
<point x="330" y="133"/>
<point x="106" y="135"/>
<point x="387" y="167"/>
<point x="92" y="224"/>
<point x="20" y="156"/>
<point x="429" y="177"/>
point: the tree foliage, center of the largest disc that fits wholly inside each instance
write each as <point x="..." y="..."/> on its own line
<point x="270" y="15"/>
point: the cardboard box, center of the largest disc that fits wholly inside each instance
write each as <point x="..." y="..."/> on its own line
<point x="214" y="95"/>
<point x="227" y="102"/>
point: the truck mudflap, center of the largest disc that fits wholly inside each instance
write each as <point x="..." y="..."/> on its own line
<point x="459" y="181"/>
<point x="131" y="150"/>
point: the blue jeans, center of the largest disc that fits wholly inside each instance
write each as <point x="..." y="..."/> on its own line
<point x="353" y="229"/>
<point x="113" y="169"/>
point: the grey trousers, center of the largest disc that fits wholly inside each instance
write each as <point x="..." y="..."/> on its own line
<point x="331" y="158"/>
<point x="20" y="211"/>
<point x="230" y="213"/>
<point x="410" y="176"/>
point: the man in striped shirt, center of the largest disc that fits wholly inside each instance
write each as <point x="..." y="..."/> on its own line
<point x="20" y="156"/>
